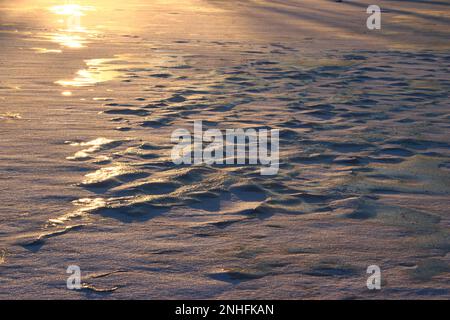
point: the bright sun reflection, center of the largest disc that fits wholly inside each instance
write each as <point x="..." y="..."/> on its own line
<point x="71" y="36"/>
<point x="71" y="9"/>
<point x="68" y="40"/>
<point x="96" y="72"/>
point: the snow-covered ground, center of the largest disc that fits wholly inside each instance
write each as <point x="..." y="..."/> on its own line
<point x="86" y="178"/>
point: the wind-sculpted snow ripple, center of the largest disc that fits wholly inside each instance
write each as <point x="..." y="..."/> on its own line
<point x="355" y="131"/>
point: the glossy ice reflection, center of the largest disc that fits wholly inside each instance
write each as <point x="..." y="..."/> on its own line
<point x="72" y="33"/>
<point x="97" y="71"/>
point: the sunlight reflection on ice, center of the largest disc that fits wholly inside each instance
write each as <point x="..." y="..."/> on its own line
<point x="96" y="72"/>
<point x="70" y="9"/>
<point x="72" y="35"/>
<point x="68" y="40"/>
